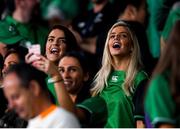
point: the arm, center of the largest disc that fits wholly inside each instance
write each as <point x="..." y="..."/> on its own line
<point x="138" y="99"/>
<point x="63" y="97"/>
<point x="162" y="44"/>
<point x="166" y="126"/>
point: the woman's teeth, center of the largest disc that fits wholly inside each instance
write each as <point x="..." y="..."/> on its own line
<point x="116" y="45"/>
<point x="54" y="50"/>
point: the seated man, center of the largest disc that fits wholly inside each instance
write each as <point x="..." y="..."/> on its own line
<point x="26" y="91"/>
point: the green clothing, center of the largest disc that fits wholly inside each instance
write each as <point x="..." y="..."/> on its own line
<point x="64" y="8"/>
<point x="158" y="12"/>
<point x="174" y="15"/>
<point x="52" y="90"/>
<point x="36" y="34"/>
<point x="119" y="105"/>
<point x="97" y="108"/>
<point x="159" y="105"/>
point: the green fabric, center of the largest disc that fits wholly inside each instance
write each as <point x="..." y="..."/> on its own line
<point x="152" y="32"/>
<point x="96" y="106"/>
<point x="157" y="10"/>
<point x="52" y="90"/>
<point x="64" y="6"/>
<point x="174" y="15"/>
<point x="119" y="105"/>
<point x="36" y="34"/>
<point x="9" y="34"/>
<point x="159" y="104"/>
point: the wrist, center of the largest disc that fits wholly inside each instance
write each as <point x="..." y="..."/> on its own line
<point x="55" y="79"/>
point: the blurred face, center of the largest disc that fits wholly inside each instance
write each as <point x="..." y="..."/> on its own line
<point x="55" y="45"/>
<point x="10" y="60"/>
<point x="28" y="5"/>
<point x="72" y="74"/>
<point x="119" y="42"/>
<point x="3" y="49"/>
<point x="19" y="98"/>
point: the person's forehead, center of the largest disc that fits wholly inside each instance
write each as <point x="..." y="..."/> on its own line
<point x="10" y="80"/>
<point x="69" y="61"/>
<point x="57" y="32"/>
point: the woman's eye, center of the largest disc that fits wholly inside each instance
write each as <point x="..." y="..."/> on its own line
<point x="73" y="70"/>
<point x="124" y="36"/>
<point x="112" y="36"/>
<point x="61" y="70"/>
<point x="62" y="41"/>
<point x="50" y="40"/>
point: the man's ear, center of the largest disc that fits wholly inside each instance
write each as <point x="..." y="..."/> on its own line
<point x="86" y="77"/>
<point x="34" y="88"/>
<point x="131" y="12"/>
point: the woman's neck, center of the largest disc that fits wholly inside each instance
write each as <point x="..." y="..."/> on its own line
<point x="121" y="63"/>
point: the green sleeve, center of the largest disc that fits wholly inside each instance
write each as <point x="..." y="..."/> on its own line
<point x="159" y="105"/>
<point x="52" y="90"/>
<point x="96" y="107"/>
<point x="173" y="16"/>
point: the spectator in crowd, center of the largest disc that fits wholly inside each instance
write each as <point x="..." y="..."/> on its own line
<point x="14" y="56"/>
<point x="59" y="41"/>
<point x="121" y="66"/>
<point x="10" y="119"/>
<point x="22" y="17"/>
<point x="119" y="77"/>
<point x="135" y="12"/>
<point x="32" y="101"/>
<point x="74" y="70"/>
<point x="87" y="25"/>
<point x="60" y="11"/>
<point x="162" y="101"/>
<point x="9" y="37"/>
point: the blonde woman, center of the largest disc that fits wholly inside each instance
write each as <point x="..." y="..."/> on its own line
<point x="115" y="83"/>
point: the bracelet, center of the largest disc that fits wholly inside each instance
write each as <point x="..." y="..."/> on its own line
<point x="55" y="79"/>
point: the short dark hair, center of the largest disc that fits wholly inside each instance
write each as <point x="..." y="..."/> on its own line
<point x="26" y="73"/>
<point x="80" y="57"/>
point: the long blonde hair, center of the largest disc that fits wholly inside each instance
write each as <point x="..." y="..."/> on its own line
<point x="100" y="80"/>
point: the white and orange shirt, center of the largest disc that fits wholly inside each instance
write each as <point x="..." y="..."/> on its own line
<point x="54" y="117"/>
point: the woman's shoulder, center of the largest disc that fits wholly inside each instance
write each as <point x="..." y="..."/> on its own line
<point x="159" y="81"/>
<point x="140" y="76"/>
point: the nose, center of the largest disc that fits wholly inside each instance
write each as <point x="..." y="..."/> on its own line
<point x="4" y="70"/>
<point x="65" y="75"/>
<point x="10" y="105"/>
<point x="117" y="37"/>
<point x="55" y="42"/>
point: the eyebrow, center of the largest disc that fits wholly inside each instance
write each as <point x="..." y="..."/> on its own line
<point x="119" y="33"/>
<point x="51" y="37"/>
<point x="70" y="67"/>
<point x="10" y="62"/>
<point x="58" y="38"/>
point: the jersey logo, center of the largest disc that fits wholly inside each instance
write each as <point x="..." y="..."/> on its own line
<point x="114" y="78"/>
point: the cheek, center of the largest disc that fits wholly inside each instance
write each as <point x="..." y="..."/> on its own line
<point x="126" y="44"/>
<point x="63" y="48"/>
<point x="76" y="77"/>
<point x="47" y="46"/>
